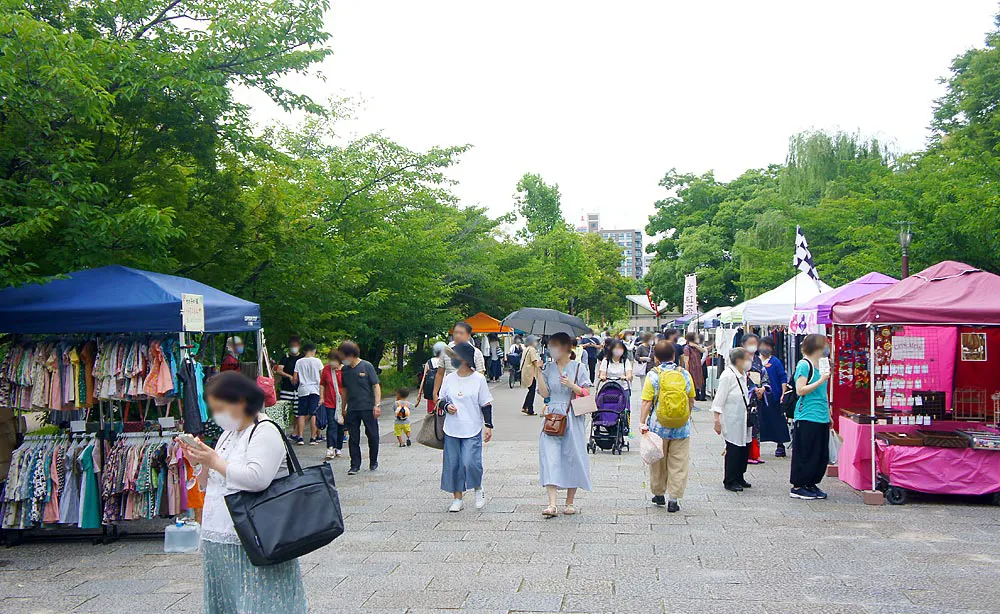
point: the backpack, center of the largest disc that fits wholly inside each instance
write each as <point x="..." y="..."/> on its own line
<point x="790" y="400"/>
<point x="671" y="404"/>
<point x="432" y="372"/>
<point x="402" y="412"/>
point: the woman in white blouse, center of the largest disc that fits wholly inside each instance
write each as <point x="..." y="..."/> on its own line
<point x="731" y="406"/>
<point x="241" y="462"/>
<point x="616" y="365"/>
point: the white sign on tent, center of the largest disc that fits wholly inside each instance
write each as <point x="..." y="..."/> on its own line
<point x="690" y="294"/>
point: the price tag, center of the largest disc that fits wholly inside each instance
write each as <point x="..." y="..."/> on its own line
<point x="167" y="423"/>
<point x="78" y="426"/>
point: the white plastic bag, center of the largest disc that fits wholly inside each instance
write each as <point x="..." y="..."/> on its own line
<point x="834" y="447"/>
<point x="650" y="447"/>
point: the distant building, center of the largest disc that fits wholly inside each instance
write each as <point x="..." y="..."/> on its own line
<point x="641" y="316"/>
<point x="633" y="264"/>
<point x="631" y="243"/>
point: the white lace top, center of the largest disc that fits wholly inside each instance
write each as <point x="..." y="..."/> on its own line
<point x="252" y="464"/>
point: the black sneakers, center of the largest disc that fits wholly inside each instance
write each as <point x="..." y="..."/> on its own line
<point x="673" y="506"/>
<point x="659" y="500"/>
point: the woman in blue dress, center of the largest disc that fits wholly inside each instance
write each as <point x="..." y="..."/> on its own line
<point x="773" y="425"/>
<point x="563" y="461"/>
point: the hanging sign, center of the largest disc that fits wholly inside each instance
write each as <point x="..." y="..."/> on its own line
<point x="690" y="294"/>
<point x="193" y="313"/>
<point x="652" y="305"/>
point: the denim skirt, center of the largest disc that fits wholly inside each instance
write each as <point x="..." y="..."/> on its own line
<point x="462" y="466"/>
<point x="233" y="585"/>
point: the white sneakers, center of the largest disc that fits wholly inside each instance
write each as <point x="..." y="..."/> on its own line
<point x="330" y="453"/>
<point x="480" y="499"/>
<point x="456" y="505"/>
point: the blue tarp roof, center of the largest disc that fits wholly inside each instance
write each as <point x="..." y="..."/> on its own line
<point x="117" y="299"/>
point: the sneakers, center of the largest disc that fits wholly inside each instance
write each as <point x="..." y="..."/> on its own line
<point x="456" y="506"/>
<point x="338" y="453"/>
<point x="816" y="491"/>
<point x="298" y="440"/>
<point x="407" y="442"/>
<point x="734" y="488"/>
<point x="755" y="461"/>
<point x="480" y="499"/>
<point x="802" y="493"/>
<point x="673" y="506"/>
<point x="353" y="470"/>
<point x="373" y="467"/>
<point x="746" y="484"/>
<point x="330" y="454"/>
<point x="659" y="500"/>
<point x="314" y="442"/>
<point x="319" y="438"/>
<point x="779" y="452"/>
<point x="402" y="445"/>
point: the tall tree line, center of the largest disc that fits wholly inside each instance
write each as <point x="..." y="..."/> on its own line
<point x="849" y="194"/>
<point x="121" y="143"/>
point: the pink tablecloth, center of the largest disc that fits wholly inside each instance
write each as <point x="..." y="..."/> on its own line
<point x="942" y="471"/>
<point x="854" y="462"/>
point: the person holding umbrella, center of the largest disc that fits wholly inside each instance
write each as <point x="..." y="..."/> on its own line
<point x="562" y="458"/>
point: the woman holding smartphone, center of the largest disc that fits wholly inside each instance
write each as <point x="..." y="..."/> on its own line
<point x="250" y="454"/>
<point x="811" y="439"/>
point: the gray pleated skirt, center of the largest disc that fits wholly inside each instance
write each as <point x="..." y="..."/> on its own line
<point x="233" y="585"/>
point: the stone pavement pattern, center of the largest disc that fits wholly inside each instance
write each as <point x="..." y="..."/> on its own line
<point x="755" y="552"/>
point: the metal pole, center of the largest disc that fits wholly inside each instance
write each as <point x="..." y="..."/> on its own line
<point x="871" y="391"/>
<point x="906" y="262"/>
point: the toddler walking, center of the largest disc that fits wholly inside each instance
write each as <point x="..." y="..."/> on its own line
<point x="402" y="425"/>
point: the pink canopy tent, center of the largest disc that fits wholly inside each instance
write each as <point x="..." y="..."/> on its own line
<point x="808" y="317"/>
<point x="946" y="293"/>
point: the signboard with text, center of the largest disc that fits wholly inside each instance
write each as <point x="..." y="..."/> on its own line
<point x="690" y="294"/>
<point x="193" y="313"/>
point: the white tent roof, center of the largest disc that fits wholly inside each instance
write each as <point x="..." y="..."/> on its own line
<point x="713" y="314"/>
<point x="642" y="301"/>
<point x="775" y="306"/>
<point x="733" y="314"/>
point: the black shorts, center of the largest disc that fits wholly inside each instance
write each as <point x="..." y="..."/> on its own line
<point x="307" y="405"/>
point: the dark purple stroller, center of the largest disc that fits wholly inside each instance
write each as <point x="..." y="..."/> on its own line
<point x="609" y="424"/>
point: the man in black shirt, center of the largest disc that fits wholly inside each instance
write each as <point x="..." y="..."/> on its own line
<point x="363" y="395"/>
<point x="286" y="369"/>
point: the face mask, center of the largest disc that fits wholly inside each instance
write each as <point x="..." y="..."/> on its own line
<point x="294" y="350"/>
<point x="752" y="349"/>
<point x="226" y="421"/>
<point x="456" y="363"/>
<point x="618" y="353"/>
<point x="332" y="364"/>
<point x="555" y="353"/>
<point x="239" y="349"/>
<point x="765" y="352"/>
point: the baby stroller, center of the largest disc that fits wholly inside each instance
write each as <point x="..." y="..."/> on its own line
<point x="610" y="423"/>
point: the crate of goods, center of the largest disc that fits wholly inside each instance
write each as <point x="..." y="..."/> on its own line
<point x="901" y="439"/>
<point x="944" y="439"/>
<point x="931" y="404"/>
<point x="982" y="440"/>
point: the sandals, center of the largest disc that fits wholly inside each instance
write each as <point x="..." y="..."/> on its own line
<point x="569" y="510"/>
<point x="550" y="512"/>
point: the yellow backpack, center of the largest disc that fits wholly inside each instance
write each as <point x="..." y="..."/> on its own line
<point x="671" y="401"/>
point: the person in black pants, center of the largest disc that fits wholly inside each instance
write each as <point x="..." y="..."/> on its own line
<point x="811" y="439"/>
<point x="364" y="393"/>
<point x="732" y="410"/>
<point x="531" y="361"/>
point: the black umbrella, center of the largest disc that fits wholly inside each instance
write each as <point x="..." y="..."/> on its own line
<point x="537" y="321"/>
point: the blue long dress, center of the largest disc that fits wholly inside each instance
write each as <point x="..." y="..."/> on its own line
<point x="563" y="461"/>
<point x="773" y="426"/>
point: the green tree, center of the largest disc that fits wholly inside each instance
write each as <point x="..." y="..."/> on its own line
<point x="539" y="204"/>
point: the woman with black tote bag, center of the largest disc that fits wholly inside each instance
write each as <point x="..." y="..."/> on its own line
<point x="240" y="462"/>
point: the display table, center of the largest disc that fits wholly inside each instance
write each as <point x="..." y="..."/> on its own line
<point x="939" y="464"/>
<point x="942" y="471"/>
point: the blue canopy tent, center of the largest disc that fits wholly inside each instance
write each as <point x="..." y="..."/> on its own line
<point x="117" y="299"/>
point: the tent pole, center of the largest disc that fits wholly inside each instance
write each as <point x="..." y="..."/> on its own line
<point x="871" y="392"/>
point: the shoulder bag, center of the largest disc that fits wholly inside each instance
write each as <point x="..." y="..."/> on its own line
<point x="790" y="400"/>
<point x="431" y="433"/>
<point x="751" y="409"/>
<point x="583" y="405"/>
<point x="296" y="514"/>
<point x="554" y="425"/>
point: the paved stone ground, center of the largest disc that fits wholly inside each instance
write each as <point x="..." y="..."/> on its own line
<point x="755" y="552"/>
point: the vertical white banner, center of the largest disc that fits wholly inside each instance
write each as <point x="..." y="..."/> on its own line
<point x="690" y="294"/>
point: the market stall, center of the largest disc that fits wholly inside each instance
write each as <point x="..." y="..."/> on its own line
<point x="483" y="323"/>
<point x="775" y="307"/>
<point x="114" y="357"/>
<point x="916" y="386"/>
<point x="813" y="316"/>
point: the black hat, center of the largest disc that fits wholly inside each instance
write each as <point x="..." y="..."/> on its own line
<point x="464" y="352"/>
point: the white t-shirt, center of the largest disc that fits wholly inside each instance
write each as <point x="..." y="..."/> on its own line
<point x="450" y="368"/>
<point x="614" y="370"/>
<point x="309" y="370"/>
<point x="468" y="394"/>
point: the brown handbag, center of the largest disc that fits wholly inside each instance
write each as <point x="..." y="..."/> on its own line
<point x="554" y="425"/>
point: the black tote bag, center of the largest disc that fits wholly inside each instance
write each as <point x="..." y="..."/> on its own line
<point x="295" y="515"/>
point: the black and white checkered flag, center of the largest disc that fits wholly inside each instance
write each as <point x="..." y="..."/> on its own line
<point x="803" y="257"/>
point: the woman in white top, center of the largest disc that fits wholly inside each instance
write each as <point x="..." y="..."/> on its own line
<point x="250" y="454"/>
<point x="468" y="423"/>
<point x="731" y="406"/>
<point x="426" y="390"/>
<point x="616" y="365"/>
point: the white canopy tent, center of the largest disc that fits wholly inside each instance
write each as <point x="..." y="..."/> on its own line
<point x="775" y="306"/>
<point x="733" y="315"/>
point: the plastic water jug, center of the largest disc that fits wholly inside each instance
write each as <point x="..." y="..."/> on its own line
<point x="181" y="537"/>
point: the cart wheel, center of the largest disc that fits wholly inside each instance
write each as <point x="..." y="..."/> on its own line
<point x="895" y="495"/>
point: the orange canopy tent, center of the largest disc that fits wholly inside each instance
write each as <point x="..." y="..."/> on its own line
<point x="484" y="323"/>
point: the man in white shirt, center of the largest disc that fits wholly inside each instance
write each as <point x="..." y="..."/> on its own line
<point x="462" y="333"/>
<point x="307" y="374"/>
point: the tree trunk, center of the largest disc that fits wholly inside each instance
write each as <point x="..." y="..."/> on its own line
<point x="400" y="354"/>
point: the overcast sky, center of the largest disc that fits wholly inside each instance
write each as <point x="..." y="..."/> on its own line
<point x="604" y="97"/>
